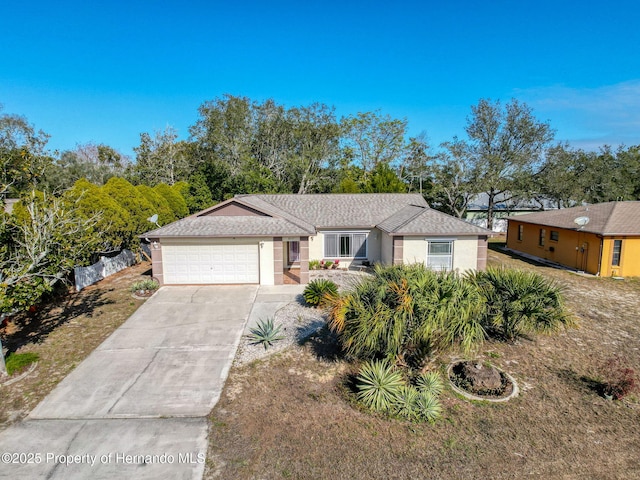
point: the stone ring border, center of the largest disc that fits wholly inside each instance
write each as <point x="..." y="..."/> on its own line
<point x="21" y="376"/>
<point x="470" y="396"/>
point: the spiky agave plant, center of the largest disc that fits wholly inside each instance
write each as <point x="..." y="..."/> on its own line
<point x="378" y="385"/>
<point x="265" y="333"/>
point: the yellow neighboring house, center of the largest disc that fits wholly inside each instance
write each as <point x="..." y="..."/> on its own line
<point x="602" y="239"/>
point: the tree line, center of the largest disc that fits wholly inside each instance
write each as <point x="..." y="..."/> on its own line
<point x="93" y="199"/>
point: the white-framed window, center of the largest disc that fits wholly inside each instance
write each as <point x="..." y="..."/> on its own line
<point x="345" y="245"/>
<point x="440" y="254"/>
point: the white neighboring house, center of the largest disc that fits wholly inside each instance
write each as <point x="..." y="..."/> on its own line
<point x="263" y="239"/>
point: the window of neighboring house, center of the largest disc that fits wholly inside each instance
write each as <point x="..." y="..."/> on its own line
<point x="543" y="233"/>
<point x="553" y="235"/>
<point x="345" y="245"/>
<point x="617" y="250"/>
<point x="440" y="255"/>
<point x="520" y="232"/>
<point x="294" y="252"/>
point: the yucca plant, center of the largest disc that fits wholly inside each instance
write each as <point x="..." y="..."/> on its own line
<point x="430" y="382"/>
<point x="519" y="302"/>
<point x="378" y="385"/>
<point x="265" y="333"/>
<point x="428" y="406"/>
<point x="146" y="284"/>
<point x="316" y="292"/>
<point x="405" y="404"/>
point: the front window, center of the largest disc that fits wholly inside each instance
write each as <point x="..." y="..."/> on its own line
<point x="520" y="232"/>
<point x="345" y="245"/>
<point x="543" y="233"/>
<point x="617" y="251"/>
<point x="554" y="236"/>
<point x="440" y="255"/>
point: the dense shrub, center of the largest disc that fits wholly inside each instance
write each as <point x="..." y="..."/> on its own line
<point x="519" y="302"/>
<point x="407" y="312"/>
<point x="620" y="380"/>
<point x="174" y="199"/>
<point x="317" y="292"/>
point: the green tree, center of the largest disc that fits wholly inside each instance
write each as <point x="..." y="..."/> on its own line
<point x="505" y="149"/>
<point x="384" y="180"/>
<point x="196" y="193"/>
<point x="373" y="138"/>
<point x="160" y="158"/>
<point x="47" y="239"/>
<point x="23" y="159"/>
<point x="160" y="205"/>
<point x="174" y="198"/>
<point x="135" y="203"/>
<point x="113" y="224"/>
<point x="562" y="176"/>
<point x="453" y="181"/>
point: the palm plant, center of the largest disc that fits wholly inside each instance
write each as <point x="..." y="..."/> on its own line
<point x="378" y="385"/>
<point x="406" y="312"/>
<point x="519" y="302"/>
<point x="317" y="290"/>
<point x="265" y="333"/>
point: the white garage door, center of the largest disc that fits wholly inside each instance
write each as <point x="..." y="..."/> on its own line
<point x="211" y="264"/>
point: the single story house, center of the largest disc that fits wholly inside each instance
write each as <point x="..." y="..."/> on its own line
<point x="602" y="239"/>
<point x="269" y="239"/>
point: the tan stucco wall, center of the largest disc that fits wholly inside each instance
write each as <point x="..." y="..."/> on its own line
<point x="465" y="251"/>
<point x="386" y="248"/>
<point x="374" y="239"/>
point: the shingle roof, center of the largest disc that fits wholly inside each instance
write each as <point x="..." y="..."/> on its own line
<point x="207" y="226"/>
<point x="294" y="215"/>
<point x="340" y="210"/>
<point x="611" y="218"/>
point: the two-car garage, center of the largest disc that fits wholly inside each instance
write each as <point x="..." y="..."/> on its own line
<point x="211" y="263"/>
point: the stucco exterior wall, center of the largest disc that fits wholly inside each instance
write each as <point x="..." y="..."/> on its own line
<point x="629" y="257"/>
<point x="575" y="249"/>
<point x="386" y="248"/>
<point x="465" y="251"/>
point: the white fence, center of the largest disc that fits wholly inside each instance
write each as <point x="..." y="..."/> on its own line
<point x="86" y="276"/>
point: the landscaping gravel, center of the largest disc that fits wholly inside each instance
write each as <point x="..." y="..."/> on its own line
<point x="297" y="320"/>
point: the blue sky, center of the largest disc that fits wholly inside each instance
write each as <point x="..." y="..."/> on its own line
<point x="107" y="71"/>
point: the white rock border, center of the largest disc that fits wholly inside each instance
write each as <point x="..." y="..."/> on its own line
<point x="470" y="396"/>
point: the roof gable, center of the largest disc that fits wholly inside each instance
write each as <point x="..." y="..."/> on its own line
<point x="611" y="218"/>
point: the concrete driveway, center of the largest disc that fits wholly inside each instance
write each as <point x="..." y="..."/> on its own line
<point x="137" y="406"/>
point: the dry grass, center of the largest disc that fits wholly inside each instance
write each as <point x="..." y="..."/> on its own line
<point x="63" y="335"/>
<point x="289" y="416"/>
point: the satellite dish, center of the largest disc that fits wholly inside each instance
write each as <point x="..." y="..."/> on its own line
<point x="153" y="219"/>
<point x="581" y="221"/>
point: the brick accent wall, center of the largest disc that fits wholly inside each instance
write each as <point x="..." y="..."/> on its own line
<point x="156" y="260"/>
<point x="304" y="260"/>
<point x="397" y="250"/>
<point x="278" y="261"/>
